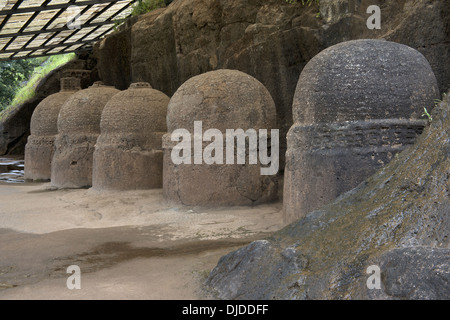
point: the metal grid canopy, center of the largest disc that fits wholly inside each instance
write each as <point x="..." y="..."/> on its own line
<point x="35" y="28"/>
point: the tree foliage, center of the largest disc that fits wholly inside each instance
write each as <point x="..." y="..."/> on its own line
<point x="144" y="6"/>
<point x="12" y="76"/>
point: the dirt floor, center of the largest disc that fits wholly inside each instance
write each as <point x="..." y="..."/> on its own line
<point x="128" y="245"/>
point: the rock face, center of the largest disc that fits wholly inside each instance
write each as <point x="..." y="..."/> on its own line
<point x="357" y="104"/>
<point x="397" y="220"/>
<point x="15" y="127"/>
<point x="128" y="154"/>
<point x="270" y="40"/>
<point x="43" y="127"/>
<point x="221" y="100"/>
<point x="78" y="130"/>
<point x="414" y="273"/>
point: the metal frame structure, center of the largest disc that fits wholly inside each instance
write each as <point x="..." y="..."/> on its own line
<point x="36" y="28"/>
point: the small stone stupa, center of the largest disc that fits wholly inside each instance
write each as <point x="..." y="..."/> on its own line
<point x="78" y="130"/>
<point x="356" y="105"/>
<point x="128" y="154"/>
<point x="43" y="127"/>
<point x="217" y="100"/>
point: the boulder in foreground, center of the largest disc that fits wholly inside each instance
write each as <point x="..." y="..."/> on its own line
<point x="398" y="220"/>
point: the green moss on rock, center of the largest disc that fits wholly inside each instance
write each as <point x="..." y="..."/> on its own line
<point x="404" y="206"/>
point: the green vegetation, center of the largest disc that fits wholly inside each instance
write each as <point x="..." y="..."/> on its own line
<point x="427" y="114"/>
<point x="144" y="6"/>
<point x="437" y="102"/>
<point x="141" y="7"/>
<point x="19" y="78"/>
<point x="12" y="74"/>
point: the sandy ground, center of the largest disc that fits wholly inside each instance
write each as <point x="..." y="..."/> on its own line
<point x="128" y="245"/>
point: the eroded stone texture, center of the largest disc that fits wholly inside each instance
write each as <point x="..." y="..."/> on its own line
<point x="414" y="273"/>
<point x="85" y="76"/>
<point x="222" y="99"/>
<point x="128" y="154"/>
<point x="78" y="130"/>
<point x="15" y="120"/>
<point x="356" y="105"/>
<point x="397" y="220"/>
<point x="43" y="127"/>
<point x="271" y="40"/>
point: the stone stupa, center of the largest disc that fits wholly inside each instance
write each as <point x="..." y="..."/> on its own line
<point x="128" y="154"/>
<point x="43" y="126"/>
<point x="78" y="130"/>
<point x="218" y="101"/>
<point x="356" y="105"/>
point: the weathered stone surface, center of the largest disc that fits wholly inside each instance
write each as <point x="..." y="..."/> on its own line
<point x="396" y="219"/>
<point x="15" y="127"/>
<point x="15" y="122"/>
<point x="78" y="130"/>
<point x="270" y="40"/>
<point x="113" y="60"/>
<point x="128" y="154"/>
<point x="222" y="99"/>
<point x="43" y="128"/>
<point x="357" y="104"/>
<point x="364" y="80"/>
<point x="413" y="274"/>
<point x="86" y="77"/>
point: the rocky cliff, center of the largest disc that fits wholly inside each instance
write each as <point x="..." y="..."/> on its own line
<point x="271" y="40"/>
<point x="397" y="220"/>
